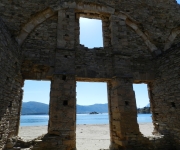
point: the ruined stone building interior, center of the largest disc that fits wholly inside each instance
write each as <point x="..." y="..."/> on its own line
<point x="39" y="40"/>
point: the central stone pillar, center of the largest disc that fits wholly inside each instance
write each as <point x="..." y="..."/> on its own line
<point x="66" y="28"/>
<point x="62" y="115"/>
<point x="124" y="128"/>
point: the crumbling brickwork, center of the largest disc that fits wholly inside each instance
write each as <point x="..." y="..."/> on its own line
<point x="165" y="95"/>
<point x="39" y="40"/>
<point x="10" y="83"/>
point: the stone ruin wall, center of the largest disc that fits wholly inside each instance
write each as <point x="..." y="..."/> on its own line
<point x="157" y="18"/>
<point x="43" y="50"/>
<point x="48" y="39"/>
<point x="165" y="95"/>
<point x="10" y="83"/>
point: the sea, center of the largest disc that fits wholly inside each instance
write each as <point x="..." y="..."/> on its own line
<point x="42" y="120"/>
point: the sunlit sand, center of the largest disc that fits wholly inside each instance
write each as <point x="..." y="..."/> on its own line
<point x="88" y="137"/>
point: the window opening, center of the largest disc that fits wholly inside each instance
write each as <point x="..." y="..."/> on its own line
<point x="64" y="77"/>
<point x="65" y="103"/>
<point x="35" y="109"/>
<point x="143" y="109"/>
<point x="126" y="103"/>
<point x="10" y="104"/>
<point x="91" y="127"/>
<point x="173" y="104"/>
<point x="91" y="32"/>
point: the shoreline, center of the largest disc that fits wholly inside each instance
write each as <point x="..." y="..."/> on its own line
<point x="88" y="137"/>
<point x="76" y="114"/>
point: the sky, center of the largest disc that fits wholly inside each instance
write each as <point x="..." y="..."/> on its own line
<point x="88" y="93"/>
<point x="92" y="28"/>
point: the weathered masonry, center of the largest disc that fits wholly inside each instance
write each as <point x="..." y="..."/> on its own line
<point x="39" y="40"/>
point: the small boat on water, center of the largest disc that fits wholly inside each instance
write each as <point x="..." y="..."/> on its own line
<point x="94" y="112"/>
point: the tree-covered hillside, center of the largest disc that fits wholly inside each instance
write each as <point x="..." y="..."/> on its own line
<point x="29" y="108"/>
<point x="35" y="108"/>
<point x="99" y="108"/>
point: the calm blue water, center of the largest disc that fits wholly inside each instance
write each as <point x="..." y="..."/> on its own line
<point x="38" y="120"/>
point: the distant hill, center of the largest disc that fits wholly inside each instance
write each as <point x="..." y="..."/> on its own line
<point x="35" y="108"/>
<point x="100" y="108"/>
<point x="148" y="105"/>
<point x="144" y="110"/>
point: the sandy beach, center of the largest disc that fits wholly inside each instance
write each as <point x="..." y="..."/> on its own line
<point x="88" y="137"/>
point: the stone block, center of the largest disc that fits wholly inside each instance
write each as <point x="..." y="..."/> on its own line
<point x="121" y="143"/>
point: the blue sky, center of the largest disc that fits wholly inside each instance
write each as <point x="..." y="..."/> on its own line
<point x="88" y="93"/>
<point x="91" y="32"/>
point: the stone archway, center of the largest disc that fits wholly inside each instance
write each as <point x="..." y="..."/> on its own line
<point x="87" y="9"/>
<point x="67" y="61"/>
<point x="122" y="104"/>
<point x="171" y="38"/>
<point x="32" y="24"/>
